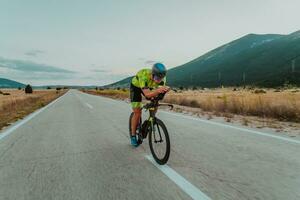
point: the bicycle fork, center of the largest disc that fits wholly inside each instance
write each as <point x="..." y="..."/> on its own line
<point x="153" y="128"/>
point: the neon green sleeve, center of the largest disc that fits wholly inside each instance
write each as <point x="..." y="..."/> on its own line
<point x="142" y="82"/>
<point x="143" y="78"/>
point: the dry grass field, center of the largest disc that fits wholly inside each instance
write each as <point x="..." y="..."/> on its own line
<point x="283" y="105"/>
<point x="116" y="94"/>
<point x="18" y="104"/>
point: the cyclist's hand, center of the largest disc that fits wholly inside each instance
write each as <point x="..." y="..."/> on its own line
<point x="167" y="88"/>
<point x="159" y="90"/>
<point x="163" y="89"/>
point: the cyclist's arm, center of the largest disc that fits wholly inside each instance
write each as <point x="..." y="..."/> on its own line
<point x="151" y="93"/>
<point x="146" y="91"/>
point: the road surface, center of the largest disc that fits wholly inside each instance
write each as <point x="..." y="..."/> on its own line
<point x="78" y="148"/>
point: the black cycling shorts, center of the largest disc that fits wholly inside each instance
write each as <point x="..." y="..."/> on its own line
<point x="135" y="93"/>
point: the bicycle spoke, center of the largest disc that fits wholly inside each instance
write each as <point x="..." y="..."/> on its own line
<point x="154" y="134"/>
<point x="159" y="145"/>
<point x="160" y="140"/>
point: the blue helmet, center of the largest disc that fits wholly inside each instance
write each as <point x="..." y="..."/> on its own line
<point x="159" y="70"/>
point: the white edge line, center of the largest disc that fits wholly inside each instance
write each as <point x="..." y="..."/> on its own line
<point x="234" y="127"/>
<point x="19" y="123"/>
<point x="88" y="105"/>
<point x="220" y="124"/>
<point x="180" y="181"/>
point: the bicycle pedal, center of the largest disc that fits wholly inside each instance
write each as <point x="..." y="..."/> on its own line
<point x="139" y="141"/>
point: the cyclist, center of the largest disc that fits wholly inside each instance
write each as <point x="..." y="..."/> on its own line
<point x="149" y="83"/>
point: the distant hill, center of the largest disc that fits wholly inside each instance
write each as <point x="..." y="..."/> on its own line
<point x="265" y="60"/>
<point x="124" y="83"/>
<point x="6" y="83"/>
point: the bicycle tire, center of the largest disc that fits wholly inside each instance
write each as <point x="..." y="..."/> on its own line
<point x="165" y="158"/>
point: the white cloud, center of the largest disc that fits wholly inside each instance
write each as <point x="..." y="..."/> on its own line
<point x="29" y="66"/>
<point x="34" y="52"/>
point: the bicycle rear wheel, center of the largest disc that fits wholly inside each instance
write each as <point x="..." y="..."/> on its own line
<point x="159" y="142"/>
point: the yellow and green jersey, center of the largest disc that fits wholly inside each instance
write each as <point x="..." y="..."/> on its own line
<point x="143" y="80"/>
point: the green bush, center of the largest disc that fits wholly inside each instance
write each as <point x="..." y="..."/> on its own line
<point x="28" y="89"/>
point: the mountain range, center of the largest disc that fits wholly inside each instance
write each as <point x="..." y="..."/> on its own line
<point x="267" y="60"/>
<point x="6" y="83"/>
<point x="264" y="60"/>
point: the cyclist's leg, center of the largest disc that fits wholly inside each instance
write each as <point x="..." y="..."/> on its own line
<point x="136" y="104"/>
<point x="135" y="120"/>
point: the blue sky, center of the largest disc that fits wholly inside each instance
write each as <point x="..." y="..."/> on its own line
<point x="99" y="42"/>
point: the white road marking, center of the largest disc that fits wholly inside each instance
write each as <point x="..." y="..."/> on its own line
<point x="27" y="118"/>
<point x="219" y="124"/>
<point x="88" y="105"/>
<point x="237" y="128"/>
<point x="184" y="184"/>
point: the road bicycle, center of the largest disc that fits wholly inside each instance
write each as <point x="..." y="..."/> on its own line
<point x="159" y="140"/>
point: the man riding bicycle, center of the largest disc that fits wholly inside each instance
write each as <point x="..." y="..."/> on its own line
<point x="149" y="83"/>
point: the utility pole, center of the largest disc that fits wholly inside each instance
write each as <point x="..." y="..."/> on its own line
<point x="191" y="79"/>
<point x="293" y="69"/>
<point x="244" y="79"/>
<point x="293" y="65"/>
<point x="219" y="75"/>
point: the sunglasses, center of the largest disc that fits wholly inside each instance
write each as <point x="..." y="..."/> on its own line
<point x="157" y="78"/>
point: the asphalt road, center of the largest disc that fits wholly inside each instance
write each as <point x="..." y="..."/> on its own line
<point x="78" y="148"/>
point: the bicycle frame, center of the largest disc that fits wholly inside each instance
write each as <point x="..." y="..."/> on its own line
<point x="153" y="107"/>
<point x="151" y="118"/>
<point x="156" y="131"/>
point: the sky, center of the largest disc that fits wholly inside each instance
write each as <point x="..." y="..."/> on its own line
<point x="96" y="42"/>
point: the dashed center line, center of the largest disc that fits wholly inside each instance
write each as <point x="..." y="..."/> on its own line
<point x="89" y="105"/>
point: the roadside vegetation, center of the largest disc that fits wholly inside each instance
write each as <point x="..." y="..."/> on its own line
<point x="16" y="104"/>
<point x="280" y="104"/>
<point x="113" y="93"/>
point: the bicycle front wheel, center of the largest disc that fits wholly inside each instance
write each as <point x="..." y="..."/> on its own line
<point x="159" y="142"/>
